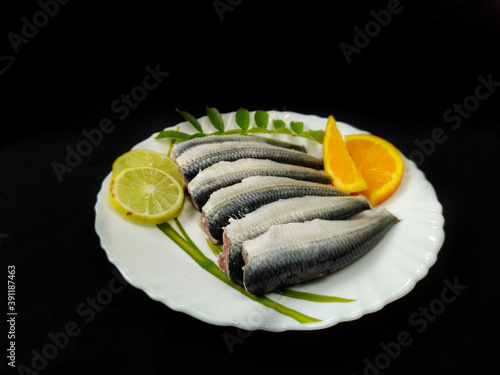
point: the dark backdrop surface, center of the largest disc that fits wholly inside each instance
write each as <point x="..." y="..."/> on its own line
<point x="429" y="65"/>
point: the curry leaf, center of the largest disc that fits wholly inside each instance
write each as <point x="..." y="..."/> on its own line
<point x="305" y="134"/>
<point x="233" y="131"/>
<point x="215" y="118"/>
<point x="317" y="135"/>
<point x="191" y="119"/>
<point x="242" y="118"/>
<point x="261" y="119"/>
<point x="297" y="127"/>
<point x="197" y="135"/>
<point x="278" y="124"/>
<point x="173" y="134"/>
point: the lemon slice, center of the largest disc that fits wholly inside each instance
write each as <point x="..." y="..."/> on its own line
<point x="146" y="195"/>
<point x="140" y="157"/>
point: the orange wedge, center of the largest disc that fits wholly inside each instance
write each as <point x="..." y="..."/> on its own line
<point x="337" y="161"/>
<point x="380" y="164"/>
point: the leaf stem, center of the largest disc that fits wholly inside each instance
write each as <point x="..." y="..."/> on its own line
<point x="311" y="296"/>
<point x="215" y="249"/>
<point x="195" y="253"/>
<point x="184" y="233"/>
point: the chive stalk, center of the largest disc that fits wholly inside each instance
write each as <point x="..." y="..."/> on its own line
<point x="195" y="253"/>
<point x="311" y="296"/>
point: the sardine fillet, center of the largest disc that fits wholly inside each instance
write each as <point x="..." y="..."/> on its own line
<point x="223" y="174"/>
<point x="283" y="211"/>
<point x="253" y="192"/>
<point x="200" y="157"/>
<point x="290" y="253"/>
<point x="182" y="147"/>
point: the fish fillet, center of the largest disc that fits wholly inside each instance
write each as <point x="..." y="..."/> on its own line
<point x="290" y="210"/>
<point x="223" y="174"/>
<point x="200" y="157"/>
<point x="290" y="253"/>
<point x="237" y="200"/>
<point x="182" y="147"/>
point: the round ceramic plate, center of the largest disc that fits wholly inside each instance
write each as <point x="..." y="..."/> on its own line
<point x="151" y="261"/>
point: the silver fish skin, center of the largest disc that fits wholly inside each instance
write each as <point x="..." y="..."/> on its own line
<point x="223" y="174"/>
<point x="180" y="148"/>
<point x="253" y="192"/>
<point x="290" y="253"/>
<point x="200" y="157"/>
<point x="292" y="210"/>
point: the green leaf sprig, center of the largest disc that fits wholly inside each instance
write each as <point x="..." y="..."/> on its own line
<point x="260" y="125"/>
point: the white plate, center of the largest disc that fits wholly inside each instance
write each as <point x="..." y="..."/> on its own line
<point x="149" y="260"/>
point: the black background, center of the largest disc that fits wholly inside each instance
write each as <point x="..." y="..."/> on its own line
<point x="284" y="56"/>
